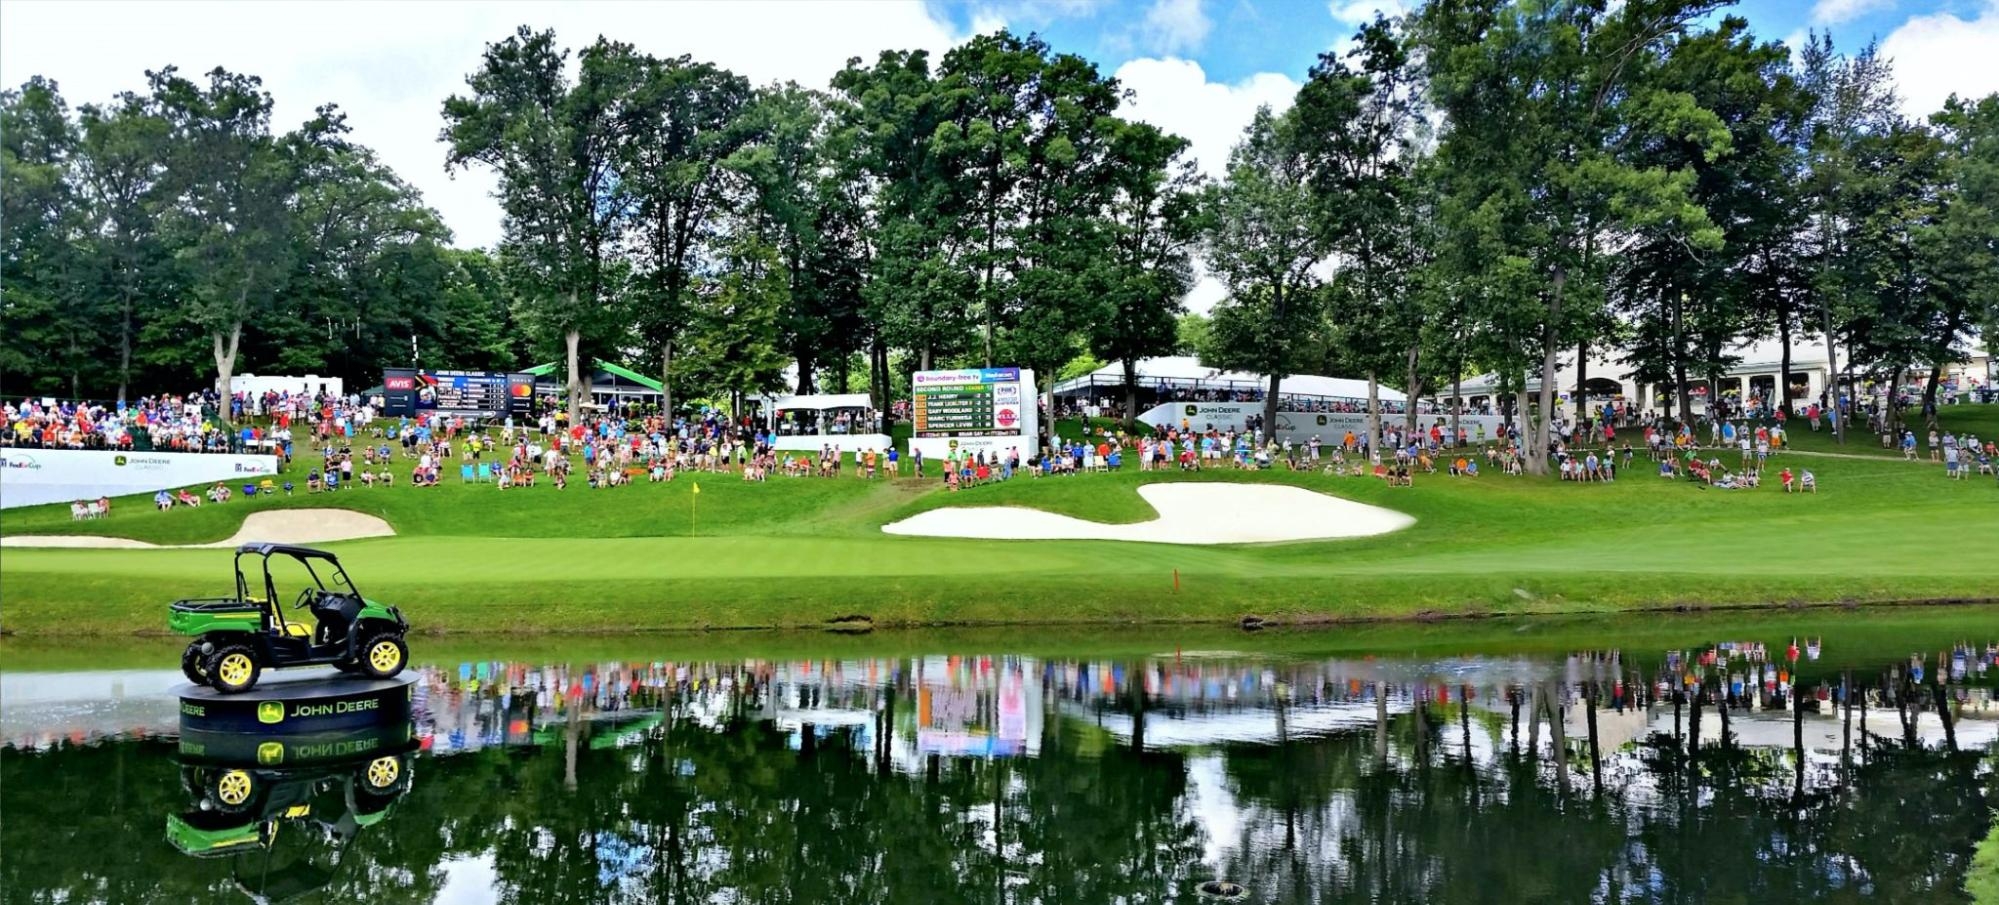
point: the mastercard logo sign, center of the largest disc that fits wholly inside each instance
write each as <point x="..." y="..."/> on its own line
<point x="521" y="390"/>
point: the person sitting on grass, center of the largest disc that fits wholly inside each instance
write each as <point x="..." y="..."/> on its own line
<point x="288" y="488"/>
<point x="1787" y="479"/>
<point x="188" y="499"/>
<point x="1471" y="467"/>
<point x="1807" y="482"/>
<point x="385" y="477"/>
<point x="1666" y="469"/>
<point x="163" y="501"/>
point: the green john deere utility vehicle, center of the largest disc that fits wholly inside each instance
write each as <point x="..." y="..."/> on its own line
<point x="237" y="638"/>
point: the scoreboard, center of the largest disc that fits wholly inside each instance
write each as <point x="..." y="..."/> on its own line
<point x="974" y="408"/>
<point x="486" y="394"/>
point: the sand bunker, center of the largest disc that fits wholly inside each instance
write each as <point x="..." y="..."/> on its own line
<point x="1204" y="513"/>
<point x="281" y="526"/>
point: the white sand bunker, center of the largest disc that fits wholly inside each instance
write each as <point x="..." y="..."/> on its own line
<point x="279" y="526"/>
<point x="1189" y="513"/>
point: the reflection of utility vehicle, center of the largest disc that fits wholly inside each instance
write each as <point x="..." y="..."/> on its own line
<point x="273" y="820"/>
<point x="239" y="637"/>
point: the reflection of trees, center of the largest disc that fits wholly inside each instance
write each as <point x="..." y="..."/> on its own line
<point x="1435" y="803"/>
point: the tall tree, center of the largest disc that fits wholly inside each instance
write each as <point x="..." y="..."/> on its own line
<point x="1539" y="102"/>
<point x="555" y="146"/>
<point x="1357" y="126"/>
<point x="232" y="184"/>
<point x="45" y="313"/>
<point x="1855" y="97"/>
<point x="121" y="161"/>
<point x="1263" y="240"/>
<point x="1154" y="223"/>
<point x="684" y="125"/>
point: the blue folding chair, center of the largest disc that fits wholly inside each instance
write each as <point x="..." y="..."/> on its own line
<point x="465" y="472"/>
<point x="485" y="472"/>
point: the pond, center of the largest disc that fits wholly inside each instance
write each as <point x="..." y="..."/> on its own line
<point x="1821" y="757"/>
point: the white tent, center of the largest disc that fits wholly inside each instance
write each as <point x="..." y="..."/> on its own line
<point x="1184" y="372"/>
<point x="819" y="402"/>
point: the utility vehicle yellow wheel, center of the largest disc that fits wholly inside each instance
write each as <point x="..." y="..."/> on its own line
<point x="383" y="656"/>
<point x="233" y="668"/>
<point x="383" y="772"/>
<point x="233" y="788"/>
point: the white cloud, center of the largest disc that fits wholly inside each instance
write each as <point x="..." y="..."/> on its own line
<point x="1358" y="12"/>
<point x="1833" y="12"/>
<point x="1176" y="96"/>
<point x="390" y="65"/>
<point x="1940" y="54"/>
<point x="1175" y="26"/>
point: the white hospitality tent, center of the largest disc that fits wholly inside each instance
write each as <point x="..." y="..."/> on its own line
<point x="1185" y="373"/>
<point x="820" y="404"/>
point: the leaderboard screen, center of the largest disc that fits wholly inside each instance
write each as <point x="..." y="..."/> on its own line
<point x="980" y="402"/>
<point x="489" y="394"/>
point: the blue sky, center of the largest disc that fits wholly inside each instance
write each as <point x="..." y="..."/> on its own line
<point x="1236" y="39"/>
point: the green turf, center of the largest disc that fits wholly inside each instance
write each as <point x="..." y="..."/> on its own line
<point x="801" y="552"/>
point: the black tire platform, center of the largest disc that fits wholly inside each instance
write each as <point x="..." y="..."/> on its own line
<point x="311" y="705"/>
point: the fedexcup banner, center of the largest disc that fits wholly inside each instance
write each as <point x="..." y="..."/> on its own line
<point x="30" y="477"/>
<point x="974" y="409"/>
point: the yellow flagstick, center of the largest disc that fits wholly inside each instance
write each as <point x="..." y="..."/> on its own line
<point x="694" y="509"/>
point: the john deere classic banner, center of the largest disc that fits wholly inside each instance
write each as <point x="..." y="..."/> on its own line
<point x="298" y="707"/>
<point x="29" y="477"/>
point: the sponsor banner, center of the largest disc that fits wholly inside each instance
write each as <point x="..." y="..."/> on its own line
<point x="1299" y="427"/>
<point x="1332" y="427"/>
<point x="334" y="705"/>
<point x="1200" y="416"/>
<point x="30" y="477"/>
<point x="848" y="444"/>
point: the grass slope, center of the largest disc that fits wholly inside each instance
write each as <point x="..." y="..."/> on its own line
<point x="802" y="552"/>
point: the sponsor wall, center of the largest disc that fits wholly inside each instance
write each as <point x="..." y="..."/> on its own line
<point x="991" y="409"/>
<point x="1298" y="427"/>
<point x="849" y="444"/>
<point x="33" y="476"/>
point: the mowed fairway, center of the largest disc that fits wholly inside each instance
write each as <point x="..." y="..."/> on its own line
<point x="803" y="552"/>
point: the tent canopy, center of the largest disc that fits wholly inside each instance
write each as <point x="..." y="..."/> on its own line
<point x="820" y="402"/>
<point x="604" y="377"/>
<point x="1187" y="372"/>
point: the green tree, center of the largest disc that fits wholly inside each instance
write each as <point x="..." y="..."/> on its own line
<point x="1154" y="222"/>
<point x="684" y="124"/>
<point x="232" y="187"/>
<point x="555" y="146"/>
<point x="1540" y="103"/>
<point x="120" y="163"/>
<point x="1263" y="241"/>
<point x="1357" y="127"/>
<point x="50" y="314"/>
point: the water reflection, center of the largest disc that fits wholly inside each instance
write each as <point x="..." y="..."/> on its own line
<point x="1728" y="772"/>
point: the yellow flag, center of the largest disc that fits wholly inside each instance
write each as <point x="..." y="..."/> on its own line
<point x="697" y="489"/>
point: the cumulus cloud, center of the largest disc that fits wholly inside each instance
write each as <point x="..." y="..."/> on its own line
<point x="1357" y="12"/>
<point x="1175" y="26"/>
<point x="1833" y="12"/>
<point x="1940" y="54"/>
<point x="390" y="66"/>
<point x="1176" y="96"/>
